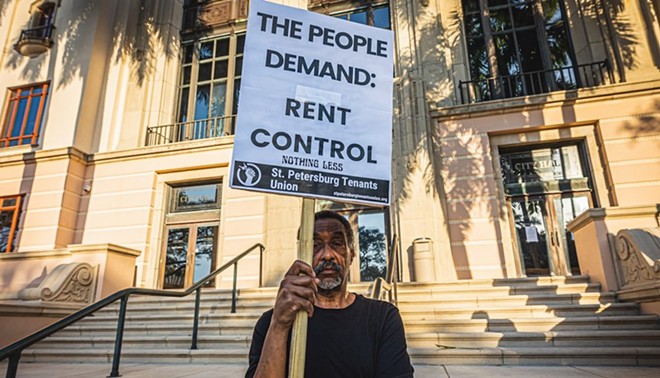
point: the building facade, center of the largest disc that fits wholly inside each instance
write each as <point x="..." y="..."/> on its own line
<point x="511" y="118"/>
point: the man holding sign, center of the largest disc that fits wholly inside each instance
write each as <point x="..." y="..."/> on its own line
<point x="315" y="120"/>
<point x="348" y="335"/>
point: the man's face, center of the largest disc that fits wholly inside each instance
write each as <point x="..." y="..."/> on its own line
<point x="332" y="254"/>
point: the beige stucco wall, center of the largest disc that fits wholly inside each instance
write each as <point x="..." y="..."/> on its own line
<point x="75" y="67"/>
<point x="128" y="200"/>
<point x="51" y="181"/>
<point x="613" y="121"/>
<point x="418" y="206"/>
<point x="445" y="184"/>
<point x="20" y="320"/>
<point x="101" y="101"/>
<point x="125" y="199"/>
<point x="618" y="123"/>
<point x="91" y="181"/>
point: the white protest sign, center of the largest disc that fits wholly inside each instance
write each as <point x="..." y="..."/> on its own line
<point x="315" y="109"/>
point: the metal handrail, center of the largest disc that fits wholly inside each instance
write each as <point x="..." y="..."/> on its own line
<point x="43" y="33"/>
<point x="388" y="285"/>
<point x="535" y="82"/>
<point x="13" y="351"/>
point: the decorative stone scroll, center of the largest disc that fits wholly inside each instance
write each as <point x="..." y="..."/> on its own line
<point x="67" y="283"/>
<point x="638" y="256"/>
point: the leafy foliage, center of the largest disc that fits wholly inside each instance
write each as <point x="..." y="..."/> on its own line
<point x="372" y="253"/>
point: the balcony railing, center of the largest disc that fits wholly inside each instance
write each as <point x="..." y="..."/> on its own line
<point x="35" y="41"/>
<point x="192" y="130"/>
<point x="537" y="82"/>
<point x="40" y="32"/>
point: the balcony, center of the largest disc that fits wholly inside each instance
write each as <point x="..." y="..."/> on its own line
<point x="192" y="130"/>
<point x="35" y="41"/>
<point x="537" y="82"/>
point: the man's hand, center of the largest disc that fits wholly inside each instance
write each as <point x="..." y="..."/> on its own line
<point x="297" y="291"/>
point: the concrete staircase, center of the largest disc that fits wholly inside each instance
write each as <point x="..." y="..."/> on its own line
<point x="529" y="321"/>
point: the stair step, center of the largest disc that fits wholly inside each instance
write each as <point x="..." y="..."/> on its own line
<point x="559" y="285"/>
<point x="247" y="294"/>
<point x="204" y="341"/>
<point x="217" y="298"/>
<point x="158" y="329"/>
<point x="434" y="291"/>
<point x="627" y="338"/>
<point x="502" y="282"/>
<point x="169" y="324"/>
<point x="408" y="289"/>
<point x="259" y="305"/>
<point x="184" y="307"/>
<point x="533" y="324"/>
<point x="512" y="300"/>
<point x="533" y="311"/>
<point x="495" y="324"/>
<point x="144" y="355"/>
<point x="646" y="322"/>
<point x="175" y="317"/>
<point x="605" y="356"/>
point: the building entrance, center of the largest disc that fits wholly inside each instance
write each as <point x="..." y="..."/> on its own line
<point x="191" y="234"/>
<point x="545" y="188"/>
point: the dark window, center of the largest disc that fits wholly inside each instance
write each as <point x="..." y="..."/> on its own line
<point x="42" y="19"/>
<point x="517" y="48"/>
<point x="209" y="86"/>
<point x="372" y="15"/>
<point x="10" y="208"/>
<point x="24" y="110"/>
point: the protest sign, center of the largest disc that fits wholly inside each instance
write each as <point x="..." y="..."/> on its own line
<point x="315" y="109"/>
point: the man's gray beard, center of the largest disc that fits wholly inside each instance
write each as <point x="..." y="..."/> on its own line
<point x="329" y="284"/>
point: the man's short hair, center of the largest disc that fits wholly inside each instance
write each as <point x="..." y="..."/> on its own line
<point x="327" y="214"/>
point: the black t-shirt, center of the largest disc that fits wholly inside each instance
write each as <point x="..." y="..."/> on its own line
<point x="365" y="339"/>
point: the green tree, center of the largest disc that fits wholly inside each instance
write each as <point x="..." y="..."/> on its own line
<point x="372" y="253"/>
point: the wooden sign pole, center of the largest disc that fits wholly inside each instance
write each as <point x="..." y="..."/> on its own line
<point x="305" y="252"/>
